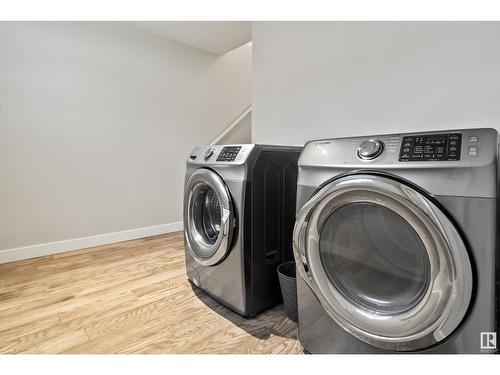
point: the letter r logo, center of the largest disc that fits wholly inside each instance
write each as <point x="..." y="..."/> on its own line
<point x="488" y="340"/>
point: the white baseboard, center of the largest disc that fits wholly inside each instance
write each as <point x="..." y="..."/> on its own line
<point x="27" y="252"/>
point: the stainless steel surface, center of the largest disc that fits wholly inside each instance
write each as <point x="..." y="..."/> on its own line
<point x="466" y="191"/>
<point x="320" y="334"/>
<point x="225" y="279"/>
<point x="325" y="159"/>
<point x="370" y="149"/>
<point x="214" y="151"/>
<point x="205" y="252"/>
<point x="446" y="300"/>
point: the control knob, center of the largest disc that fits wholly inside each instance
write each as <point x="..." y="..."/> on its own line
<point x="208" y="153"/>
<point x="370" y="149"/>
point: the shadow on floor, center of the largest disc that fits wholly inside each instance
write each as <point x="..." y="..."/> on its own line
<point x="270" y="322"/>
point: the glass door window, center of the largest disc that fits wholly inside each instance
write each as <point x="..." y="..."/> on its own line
<point x="374" y="257"/>
<point x="385" y="262"/>
<point x="208" y="217"/>
<point x="207" y="214"/>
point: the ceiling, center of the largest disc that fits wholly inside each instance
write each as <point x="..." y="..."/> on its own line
<point x="217" y="37"/>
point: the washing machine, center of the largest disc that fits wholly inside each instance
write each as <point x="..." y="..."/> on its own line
<point x="239" y="213"/>
<point x="396" y="243"/>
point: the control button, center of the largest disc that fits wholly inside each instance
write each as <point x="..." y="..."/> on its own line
<point x="229" y="153"/>
<point x="370" y="149"/>
<point x="473" y="138"/>
<point x="473" y="151"/>
<point x="208" y="153"/>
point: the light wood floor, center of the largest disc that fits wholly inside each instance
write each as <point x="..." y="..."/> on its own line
<point x="129" y="297"/>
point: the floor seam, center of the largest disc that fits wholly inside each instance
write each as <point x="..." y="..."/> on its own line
<point x="88" y="337"/>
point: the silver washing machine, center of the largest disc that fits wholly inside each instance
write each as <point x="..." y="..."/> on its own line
<point x="396" y="244"/>
<point x="239" y="212"/>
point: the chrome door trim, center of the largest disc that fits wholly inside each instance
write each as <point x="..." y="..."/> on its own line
<point x="444" y="304"/>
<point x="194" y="240"/>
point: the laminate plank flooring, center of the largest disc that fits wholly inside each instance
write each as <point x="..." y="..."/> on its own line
<point x="128" y="297"/>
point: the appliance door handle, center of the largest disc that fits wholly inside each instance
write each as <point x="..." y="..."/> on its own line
<point x="299" y="245"/>
<point x="224" y="221"/>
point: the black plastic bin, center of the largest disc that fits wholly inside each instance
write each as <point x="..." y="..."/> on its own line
<point x="287" y="274"/>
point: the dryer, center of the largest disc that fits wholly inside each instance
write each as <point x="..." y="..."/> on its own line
<point x="239" y="212"/>
<point x="396" y="243"/>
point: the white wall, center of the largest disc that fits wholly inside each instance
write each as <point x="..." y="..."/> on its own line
<point x="242" y="133"/>
<point x="96" y="120"/>
<point x="317" y="80"/>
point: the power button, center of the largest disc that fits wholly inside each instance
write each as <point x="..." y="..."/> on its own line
<point x="473" y="151"/>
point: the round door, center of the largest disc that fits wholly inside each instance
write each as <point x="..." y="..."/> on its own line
<point x="385" y="262"/>
<point x="208" y="217"/>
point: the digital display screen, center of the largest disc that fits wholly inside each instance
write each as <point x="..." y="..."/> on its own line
<point x="435" y="147"/>
<point x="229" y="153"/>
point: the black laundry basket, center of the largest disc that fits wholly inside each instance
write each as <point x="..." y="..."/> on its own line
<point x="287" y="274"/>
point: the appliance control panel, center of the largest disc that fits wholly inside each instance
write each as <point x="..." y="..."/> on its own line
<point x="431" y="147"/>
<point x="434" y="149"/>
<point x="220" y="154"/>
<point x="229" y="153"/>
